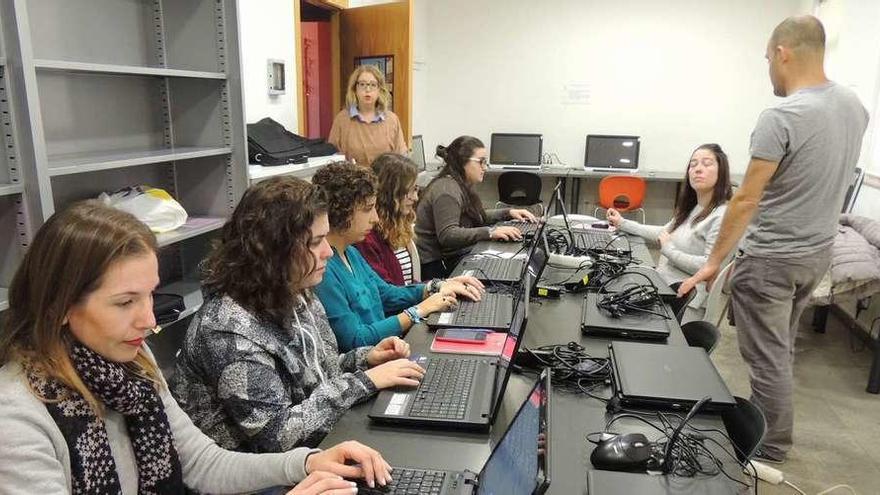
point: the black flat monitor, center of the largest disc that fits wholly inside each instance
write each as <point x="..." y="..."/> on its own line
<point x="611" y="153"/>
<point x="417" y="155"/>
<point x="516" y="150"/>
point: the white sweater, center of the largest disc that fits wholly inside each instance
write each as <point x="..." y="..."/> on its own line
<point x="688" y="248"/>
<point x="34" y="456"/>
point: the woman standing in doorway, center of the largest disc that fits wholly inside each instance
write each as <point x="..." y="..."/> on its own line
<point x="366" y="128"/>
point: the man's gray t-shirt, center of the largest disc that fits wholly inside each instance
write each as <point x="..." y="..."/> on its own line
<point x="815" y="135"/>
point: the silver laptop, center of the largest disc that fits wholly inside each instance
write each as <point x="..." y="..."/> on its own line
<point x="417" y="155"/>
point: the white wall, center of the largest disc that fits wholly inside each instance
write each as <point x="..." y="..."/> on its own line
<point x="676" y="72"/>
<point x="268" y="31"/>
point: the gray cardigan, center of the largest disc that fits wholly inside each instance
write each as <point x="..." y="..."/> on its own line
<point x="443" y="229"/>
<point x="688" y="249"/>
<point x="34" y="457"/>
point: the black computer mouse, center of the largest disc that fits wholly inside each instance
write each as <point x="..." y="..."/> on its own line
<point x="630" y="452"/>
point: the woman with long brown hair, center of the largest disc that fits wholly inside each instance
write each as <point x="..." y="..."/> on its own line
<point x="386" y="248"/>
<point x="84" y="406"/>
<point x="686" y="241"/>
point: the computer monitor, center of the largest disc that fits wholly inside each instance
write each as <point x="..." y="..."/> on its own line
<point x="417" y="154"/>
<point x="612" y="153"/>
<point x="515" y="150"/>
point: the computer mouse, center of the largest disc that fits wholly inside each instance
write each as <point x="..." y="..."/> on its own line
<point x="629" y="452"/>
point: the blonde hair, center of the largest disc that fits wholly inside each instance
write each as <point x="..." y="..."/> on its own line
<point x="46" y="285"/>
<point x="396" y="174"/>
<point x="351" y="94"/>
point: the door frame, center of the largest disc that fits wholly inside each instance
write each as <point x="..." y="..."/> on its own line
<point x="334" y="6"/>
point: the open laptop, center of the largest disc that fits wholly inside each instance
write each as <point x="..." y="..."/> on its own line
<point x="666" y="377"/>
<point x="518" y="465"/>
<point x="494" y="311"/>
<point x="617" y="483"/>
<point x="457" y="391"/>
<point x="597" y="322"/>
<point x="515" y="151"/>
<point x="611" y="154"/>
<point x="492" y="268"/>
<point x="417" y="155"/>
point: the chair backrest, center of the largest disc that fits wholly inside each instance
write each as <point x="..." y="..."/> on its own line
<point x="622" y="192"/>
<point x="701" y="334"/>
<point x="852" y="190"/>
<point x="679" y="304"/>
<point x="519" y="188"/>
<point x="745" y="425"/>
<point x="718" y="298"/>
<point x="416" y="262"/>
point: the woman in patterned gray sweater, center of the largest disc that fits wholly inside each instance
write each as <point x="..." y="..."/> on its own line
<point x="260" y="369"/>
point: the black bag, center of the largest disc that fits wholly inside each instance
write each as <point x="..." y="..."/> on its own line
<point x="269" y="143"/>
<point x="167" y="307"/>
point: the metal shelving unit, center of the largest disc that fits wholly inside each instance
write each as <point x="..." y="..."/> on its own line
<point x="110" y="94"/>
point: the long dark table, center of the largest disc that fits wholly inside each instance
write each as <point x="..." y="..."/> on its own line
<point x="551" y="321"/>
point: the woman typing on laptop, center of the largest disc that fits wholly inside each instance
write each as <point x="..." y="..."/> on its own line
<point x="450" y="217"/>
<point x="362" y="308"/>
<point x="686" y="240"/>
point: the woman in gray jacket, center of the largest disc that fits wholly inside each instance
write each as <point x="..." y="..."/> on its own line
<point x="686" y="240"/>
<point x="83" y="406"/>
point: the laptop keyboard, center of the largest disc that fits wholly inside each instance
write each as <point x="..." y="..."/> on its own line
<point x="493" y="268"/>
<point x="598" y="240"/>
<point x="445" y="389"/>
<point x="477" y="314"/>
<point x="407" y="482"/>
<point x="524" y="227"/>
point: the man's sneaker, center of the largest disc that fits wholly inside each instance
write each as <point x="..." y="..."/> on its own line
<point x="769" y="457"/>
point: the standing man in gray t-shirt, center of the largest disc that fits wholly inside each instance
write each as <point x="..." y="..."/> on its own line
<point x="803" y="152"/>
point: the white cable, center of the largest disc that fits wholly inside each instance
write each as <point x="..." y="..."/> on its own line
<point x="794" y="487"/>
<point x="835" y="487"/>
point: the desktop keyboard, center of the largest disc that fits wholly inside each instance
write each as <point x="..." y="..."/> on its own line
<point x="445" y="389"/>
<point x="477" y="314"/>
<point x="407" y="482"/>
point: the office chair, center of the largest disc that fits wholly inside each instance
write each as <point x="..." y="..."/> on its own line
<point x="518" y="188"/>
<point x="746" y="425"/>
<point x="701" y="334"/>
<point x="623" y="193"/>
<point x="680" y="304"/>
<point x="718" y="300"/>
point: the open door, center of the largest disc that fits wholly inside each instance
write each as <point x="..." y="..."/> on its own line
<point x="380" y="33"/>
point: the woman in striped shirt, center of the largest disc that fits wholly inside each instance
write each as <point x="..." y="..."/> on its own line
<point x="386" y="247"/>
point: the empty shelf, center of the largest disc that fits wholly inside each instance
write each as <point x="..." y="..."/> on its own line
<point x="133" y="70"/>
<point x="75" y="163"/>
<point x="9" y="189"/>
<point x="193" y="227"/>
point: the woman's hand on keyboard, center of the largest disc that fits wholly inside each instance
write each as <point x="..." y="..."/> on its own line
<point x="522" y="215"/>
<point x="505" y="233"/>
<point x="386" y="350"/>
<point x="436" y="302"/>
<point x="323" y="483"/>
<point x="456" y="288"/>
<point x="352" y="460"/>
<point x="395" y="373"/>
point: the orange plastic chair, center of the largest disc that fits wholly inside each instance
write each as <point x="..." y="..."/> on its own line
<point x="623" y="193"/>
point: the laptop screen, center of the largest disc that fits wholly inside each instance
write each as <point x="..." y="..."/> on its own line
<point x="418" y="153"/>
<point x="511" y="345"/>
<point x="612" y="152"/>
<point x="519" y="464"/>
<point x="515" y="149"/>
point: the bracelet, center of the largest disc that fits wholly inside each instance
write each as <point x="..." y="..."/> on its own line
<point x="434" y="285"/>
<point x="413" y="314"/>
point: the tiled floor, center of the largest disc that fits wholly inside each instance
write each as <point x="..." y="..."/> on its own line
<point x="837" y="423"/>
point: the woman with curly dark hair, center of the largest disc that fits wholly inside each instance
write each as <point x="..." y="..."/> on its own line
<point x="260" y="370"/>
<point x="356" y="299"/>
<point x="450" y="216"/>
<point x="386" y="247"/>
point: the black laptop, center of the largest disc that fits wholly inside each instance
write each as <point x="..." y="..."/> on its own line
<point x="457" y="391"/>
<point x="597" y="322"/>
<point x="617" y="483"/>
<point x="491" y="269"/>
<point x="666" y="377"/>
<point x="518" y="465"/>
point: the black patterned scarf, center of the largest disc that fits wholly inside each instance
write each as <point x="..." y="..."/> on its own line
<point x="91" y="462"/>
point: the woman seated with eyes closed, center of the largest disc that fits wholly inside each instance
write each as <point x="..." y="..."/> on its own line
<point x="84" y="408"/>
<point x="362" y="308"/>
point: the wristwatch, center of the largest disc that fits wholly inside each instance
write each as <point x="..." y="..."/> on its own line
<point x="413" y="314"/>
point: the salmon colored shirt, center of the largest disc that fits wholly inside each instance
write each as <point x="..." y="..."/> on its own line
<point x="364" y="141"/>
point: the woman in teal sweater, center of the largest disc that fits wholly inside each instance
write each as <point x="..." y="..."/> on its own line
<point x="361" y="307"/>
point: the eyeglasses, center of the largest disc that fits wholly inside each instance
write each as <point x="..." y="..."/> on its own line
<point x="371" y="86"/>
<point x="484" y="162"/>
